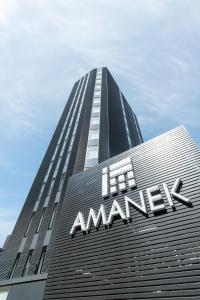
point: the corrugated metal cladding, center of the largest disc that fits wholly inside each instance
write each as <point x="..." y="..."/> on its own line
<point x="154" y="257"/>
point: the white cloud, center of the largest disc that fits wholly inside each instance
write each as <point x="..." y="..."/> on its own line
<point x="150" y="46"/>
<point x="7" y="222"/>
<point x="6" y="228"/>
<point x="143" y="41"/>
<point x="7" y="10"/>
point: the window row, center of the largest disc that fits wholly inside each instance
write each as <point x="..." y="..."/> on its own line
<point x="75" y="99"/>
<point x="70" y="124"/>
<point x="75" y="129"/>
<point x="51" y="222"/>
<point x="62" y="179"/>
<point x="92" y="150"/>
<point x="137" y="128"/>
<point x="125" y="121"/>
<point x="51" y="186"/>
<point x="39" y="266"/>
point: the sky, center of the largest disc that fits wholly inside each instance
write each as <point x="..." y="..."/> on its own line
<point x="151" y="47"/>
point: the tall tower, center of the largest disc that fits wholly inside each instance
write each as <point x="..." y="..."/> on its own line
<point x="97" y="123"/>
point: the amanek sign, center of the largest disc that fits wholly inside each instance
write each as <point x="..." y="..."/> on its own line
<point x="119" y="177"/>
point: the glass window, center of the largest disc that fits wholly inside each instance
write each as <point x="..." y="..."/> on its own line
<point x="70" y="147"/>
<point x="93" y="134"/>
<point x="61" y="182"/>
<point x="40" y="222"/>
<point x="97" y="93"/>
<point x="27" y="264"/>
<point x="29" y="224"/>
<point x="129" y="141"/>
<point x="97" y="87"/>
<point x="42" y="188"/>
<point x="49" y="169"/>
<point x="90" y="163"/>
<point x="60" y="138"/>
<point x="97" y="100"/>
<point x="58" y="163"/>
<point x="53" y="216"/>
<point x="66" y="137"/>
<point x="63" y="148"/>
<point x="56" y="149"/>
<point x="96" y="104"/>
<point x="95" y="114"/>
<point x="14" y="266"/>
<point x="67" y="159"/>
<point x="94" y="121"/>
<point x="51" y="186"/>
<point x="92" y="152"/>
<point x="95" y="127"/>
<point x="98" y="81"/>
<point x="41" y="262"/>
<point x="93" y="142"/>
<point x="96" y="109"/>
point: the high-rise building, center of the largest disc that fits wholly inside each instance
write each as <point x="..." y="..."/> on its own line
<point x="97" y="123"/>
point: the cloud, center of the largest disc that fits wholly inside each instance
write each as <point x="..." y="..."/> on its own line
<point x="7" y="10"/>
<point x="6" y="228"/>
<point x="150" y="46"/>
<point x="47" y="45"/>
<point x="7" y="222"/>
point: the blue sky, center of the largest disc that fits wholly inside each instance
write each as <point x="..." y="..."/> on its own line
<point x="152" y="48"/>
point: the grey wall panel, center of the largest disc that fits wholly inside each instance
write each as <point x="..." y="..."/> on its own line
<point x="148" y="257"/>
<point x="104" y="147"/>
<point x="118" y="140"/>
<point x="27" y="291"/>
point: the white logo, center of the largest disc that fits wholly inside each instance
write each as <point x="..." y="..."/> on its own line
<point x="118" y="177"/>
<point x="156" y="203"/>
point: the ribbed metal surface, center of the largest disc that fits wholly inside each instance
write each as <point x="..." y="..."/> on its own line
<point x="154" y="257"/>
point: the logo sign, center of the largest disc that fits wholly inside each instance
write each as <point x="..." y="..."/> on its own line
<point x="119" y="177"/>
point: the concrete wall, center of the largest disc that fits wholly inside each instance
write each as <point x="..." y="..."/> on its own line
<point x="27" y="291"/>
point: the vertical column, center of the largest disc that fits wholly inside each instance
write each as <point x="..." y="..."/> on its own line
<point x="92" y="151"/>
<point x="125" y="120"/>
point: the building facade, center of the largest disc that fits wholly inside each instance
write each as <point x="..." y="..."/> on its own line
<point x="96" y="124"/>
<point x="130" y="227"/>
